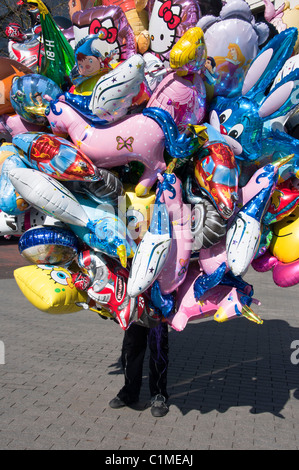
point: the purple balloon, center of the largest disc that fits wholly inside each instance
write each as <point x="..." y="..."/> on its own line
<point x="111" y="22"/>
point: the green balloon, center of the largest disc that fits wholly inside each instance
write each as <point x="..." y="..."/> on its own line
<point x="59" y="55"/>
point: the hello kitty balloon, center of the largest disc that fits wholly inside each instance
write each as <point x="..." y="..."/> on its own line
<point x="169" y="20"/>
<point x="110" y="23"/>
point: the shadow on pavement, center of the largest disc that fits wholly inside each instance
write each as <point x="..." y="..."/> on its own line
<point x="217" y="366"/>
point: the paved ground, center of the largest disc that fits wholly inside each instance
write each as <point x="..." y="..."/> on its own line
<point x="232" y="386"/>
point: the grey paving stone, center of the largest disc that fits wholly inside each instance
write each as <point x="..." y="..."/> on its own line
<point x="232" y="386"/>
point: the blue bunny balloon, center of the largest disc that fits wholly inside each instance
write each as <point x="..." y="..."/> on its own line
<point x="248" y="120"/>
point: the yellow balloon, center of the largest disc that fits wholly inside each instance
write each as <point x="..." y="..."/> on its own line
<point x="290" y="18"/>
<point x="285" y="241"/>
<point x="190" y="52"/>
<point x="138" y="212"/>
<point x="50" y="288"/>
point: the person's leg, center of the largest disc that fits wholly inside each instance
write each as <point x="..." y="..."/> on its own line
<point x="133" y="351"/>
<point x="158" y="362"/>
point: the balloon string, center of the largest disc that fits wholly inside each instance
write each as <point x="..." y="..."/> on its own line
<point x="155" y="337"/>
<point x="171" y="166"/>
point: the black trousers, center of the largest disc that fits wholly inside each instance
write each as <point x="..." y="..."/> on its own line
<point x="136" y="339"/>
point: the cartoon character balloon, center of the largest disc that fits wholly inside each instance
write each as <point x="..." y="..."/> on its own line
<point x="169" y="20"/>
<point x="182" y="93"/>
<point x="245" y="120"/>
<point x="50" y="288"/>
<point x="189" y="53"/>
<point x="284" y="243"/>
<point x="111" y="24"/>
<point x="232" y="40"/>
<point x="91" y="64"/>
<point x="108" y="287"/>
<point x="27" y="97"/>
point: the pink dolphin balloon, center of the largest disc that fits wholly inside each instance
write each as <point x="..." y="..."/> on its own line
<point x="211" y="258"/>
<point x="223" y="302"/>
<point x="14" y="125"/>
<point x="187" y="307"/>
<point x="135" y="138"/>
<point x="176" y="265"/>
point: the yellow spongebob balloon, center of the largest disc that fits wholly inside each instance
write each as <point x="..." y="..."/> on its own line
<point x="285" y="241"/>
<point x="50" y="288"/>
<point x="138" y="213"/>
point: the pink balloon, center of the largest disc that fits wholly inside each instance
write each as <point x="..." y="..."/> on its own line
<point x="211" y="258"/>
<point x="258" y="181"/>
<point x="176" y="265"/>
<point x="284" y="274"/>
<point x="184" y="99"/>
<point x="264" y="262"/>
<point x="14" y="125"/>
<point x="135" y="138"/>
<point x="220" y="300"/>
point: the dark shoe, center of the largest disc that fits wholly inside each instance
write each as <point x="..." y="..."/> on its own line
<point x="159" y="406"/>
<point x="117" y="403"/>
